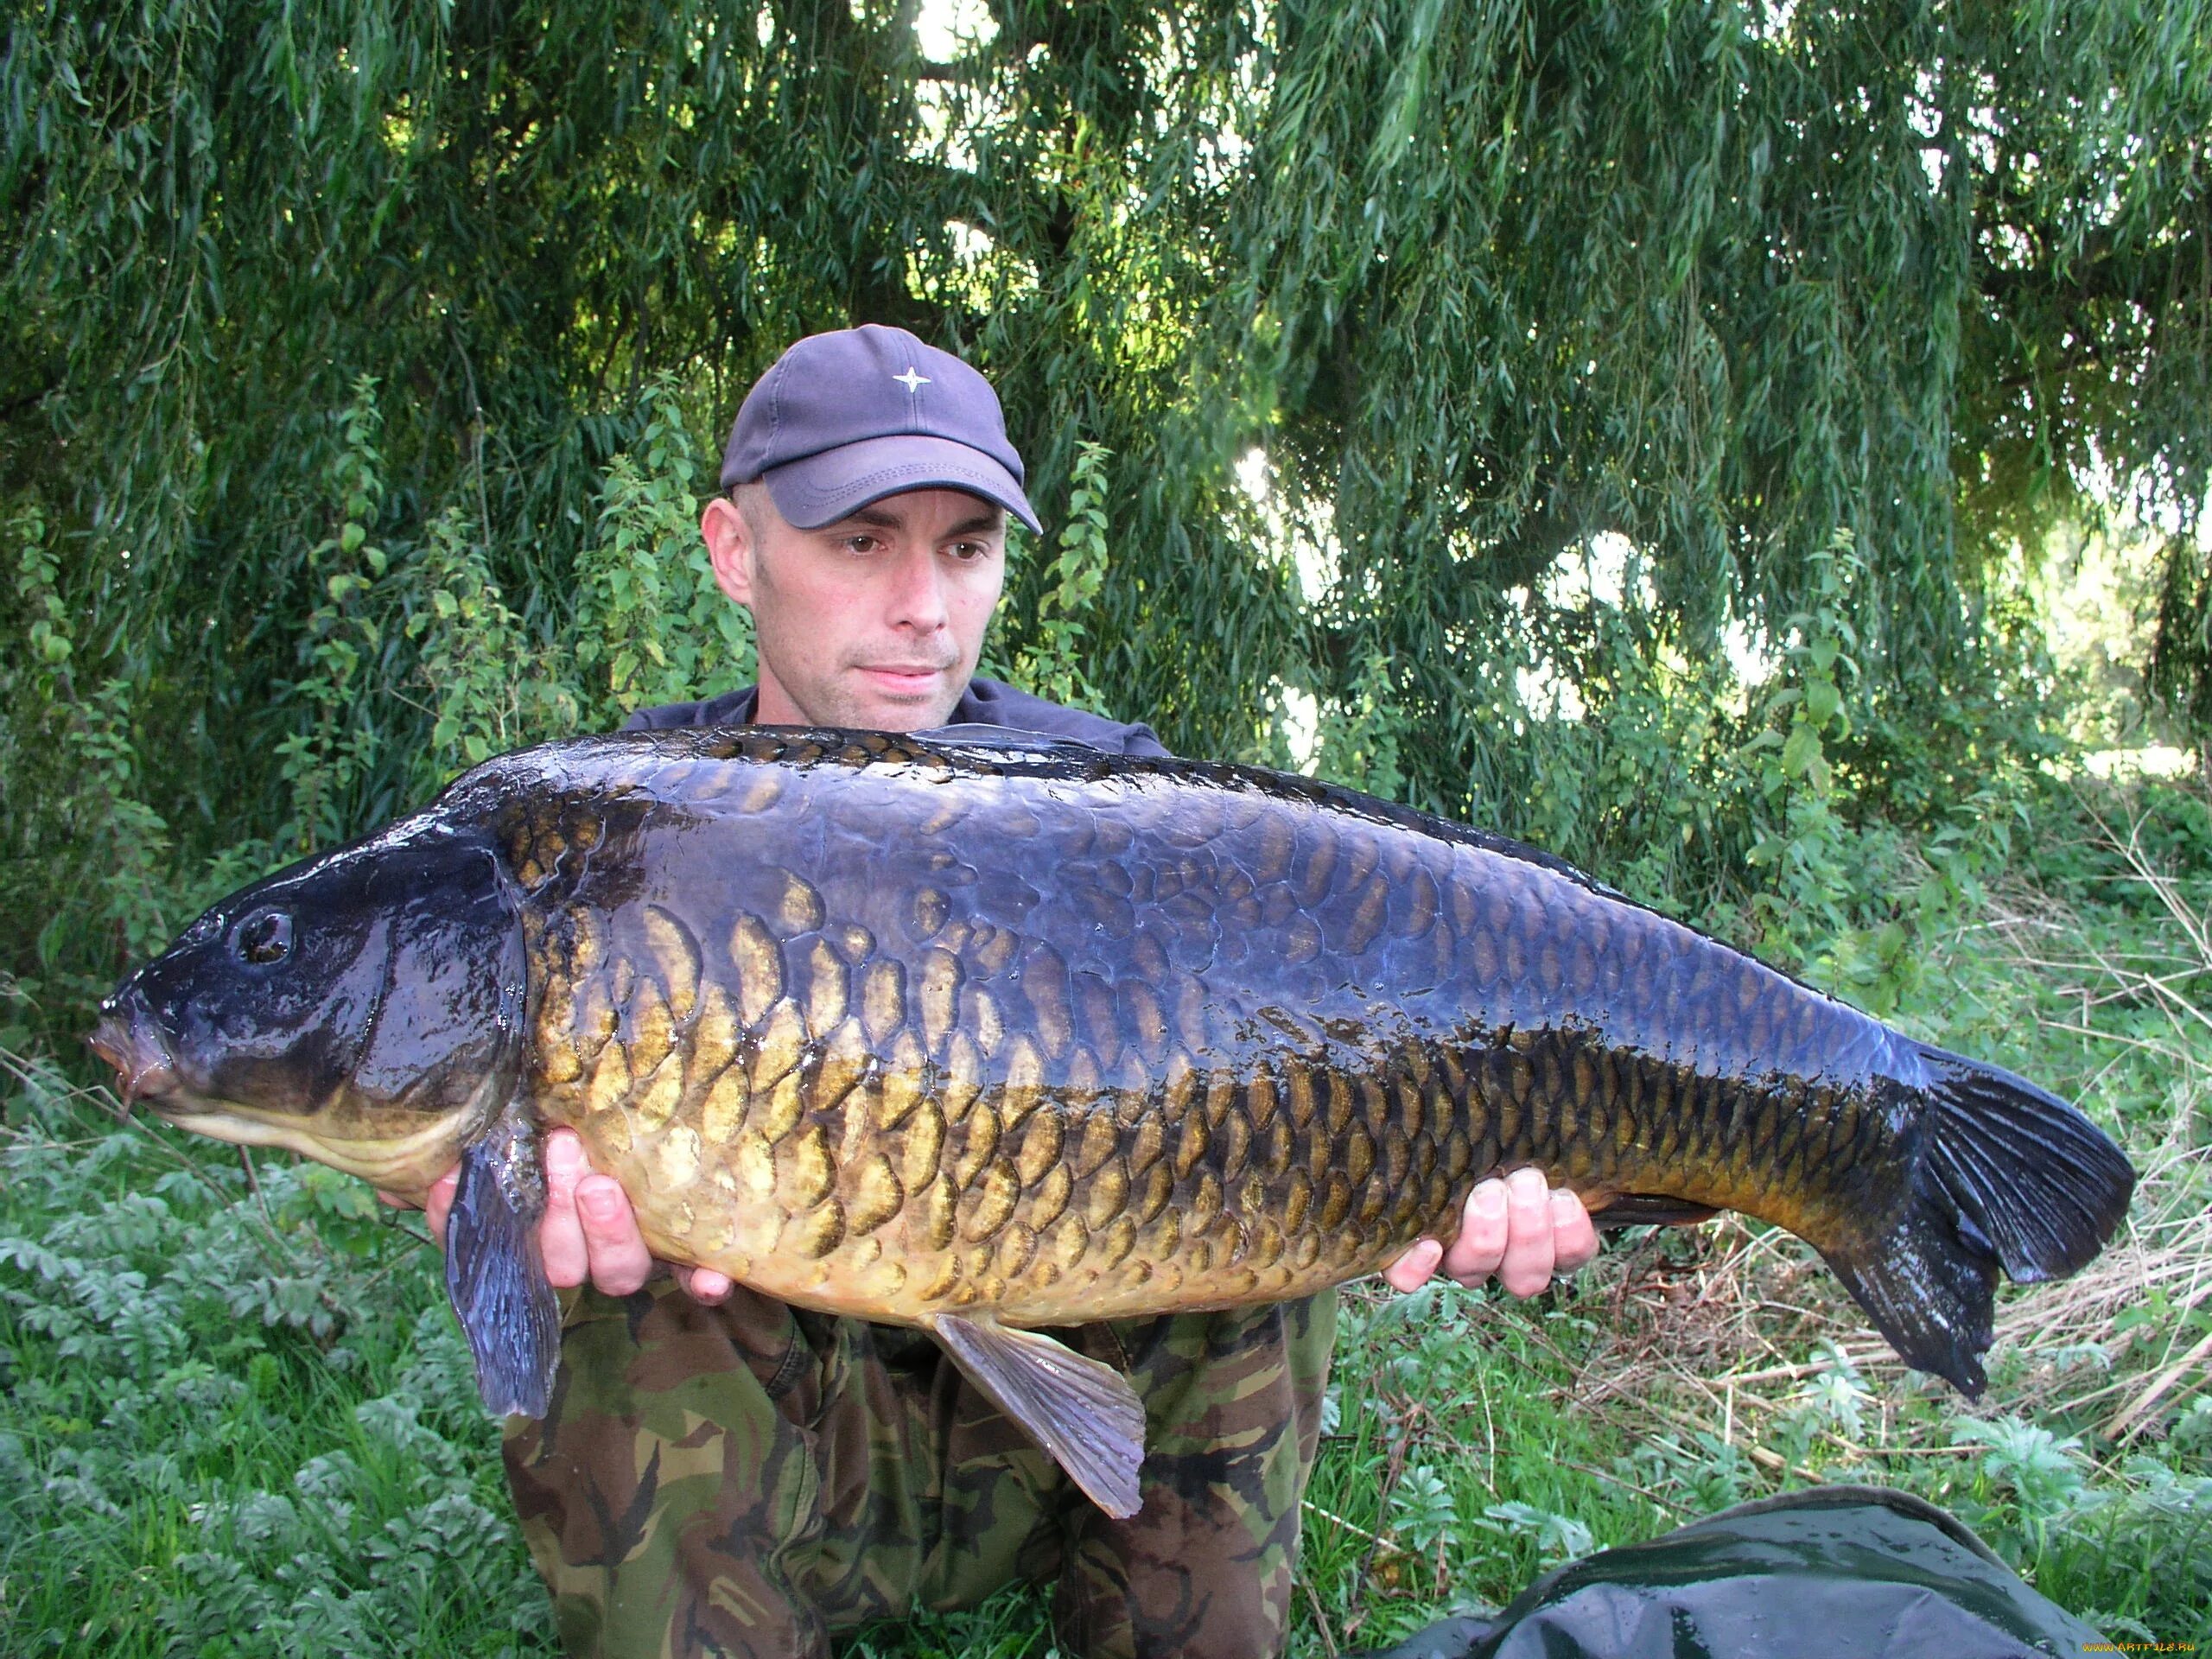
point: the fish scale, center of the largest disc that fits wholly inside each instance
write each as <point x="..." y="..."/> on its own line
<point x="981" y="1035"/>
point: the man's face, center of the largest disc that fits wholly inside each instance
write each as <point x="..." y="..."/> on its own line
<point x="874" y="621"/>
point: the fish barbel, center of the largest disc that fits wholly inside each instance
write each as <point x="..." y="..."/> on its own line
<point x="984" y="1034"/>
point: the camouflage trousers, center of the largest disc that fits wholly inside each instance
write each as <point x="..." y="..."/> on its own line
<point x="746" y="1479"/>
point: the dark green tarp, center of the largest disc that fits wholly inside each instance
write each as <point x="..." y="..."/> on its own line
<point x="1836" y="1573"/>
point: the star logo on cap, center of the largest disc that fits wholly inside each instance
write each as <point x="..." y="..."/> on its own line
<point x="912" y="381"/>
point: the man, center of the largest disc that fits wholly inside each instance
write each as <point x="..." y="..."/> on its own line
<point x="723" y="1474"/>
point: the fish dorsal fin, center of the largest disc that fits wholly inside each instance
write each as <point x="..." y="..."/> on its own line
<point x="1084" y="1414"/>
<point x="981" y="734"/>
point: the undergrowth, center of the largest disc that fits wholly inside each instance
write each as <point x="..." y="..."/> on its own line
<point x="235" y="1417"/>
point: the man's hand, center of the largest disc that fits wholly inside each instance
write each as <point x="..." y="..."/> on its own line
<point x="589" y="1230"/>
<point x="1516" y="1229"/>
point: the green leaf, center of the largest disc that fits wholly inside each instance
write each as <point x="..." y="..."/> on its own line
<point x="1801" y="750"/>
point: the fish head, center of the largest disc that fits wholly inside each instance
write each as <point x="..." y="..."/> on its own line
<point x="364" y="1009"/>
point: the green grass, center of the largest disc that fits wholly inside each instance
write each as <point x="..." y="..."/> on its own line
<point x="235" y="1418"/>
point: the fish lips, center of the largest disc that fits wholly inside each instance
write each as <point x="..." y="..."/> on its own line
<point x="128" y="1040"/>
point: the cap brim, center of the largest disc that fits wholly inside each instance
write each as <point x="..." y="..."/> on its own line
<point x="820" y="490"/>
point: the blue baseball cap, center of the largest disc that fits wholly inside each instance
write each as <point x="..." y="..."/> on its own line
<point x="847" y="418"/>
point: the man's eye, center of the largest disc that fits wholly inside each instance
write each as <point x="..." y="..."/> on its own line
<point x="862" y="544"/>
<point x="968" y="552"/>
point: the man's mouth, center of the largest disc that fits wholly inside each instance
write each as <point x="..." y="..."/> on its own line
<point x="903" y="676"/>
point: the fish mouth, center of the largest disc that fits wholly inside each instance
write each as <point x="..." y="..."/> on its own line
<point x="127" y="1041"/>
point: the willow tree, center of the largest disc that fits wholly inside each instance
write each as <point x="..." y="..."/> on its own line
<point x="1378" y="314"/>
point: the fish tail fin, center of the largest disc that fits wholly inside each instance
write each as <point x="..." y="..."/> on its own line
<point x="2033" y="1180"/>
<point x="2008" y="1175"/>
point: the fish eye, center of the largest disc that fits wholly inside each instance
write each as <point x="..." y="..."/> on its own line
<point x="265" y="937"/>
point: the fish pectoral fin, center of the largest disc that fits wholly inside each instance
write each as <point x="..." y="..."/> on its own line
<point x="494" y="1273"/>
<point x="1650" y="1210"/>
<point x="1084" y="1414"/>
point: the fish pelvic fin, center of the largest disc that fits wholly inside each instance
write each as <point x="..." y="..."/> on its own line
<point x="2006" y="1176"/>
<point x="1084" y="1414"/>
<point x="494" y="1273"/>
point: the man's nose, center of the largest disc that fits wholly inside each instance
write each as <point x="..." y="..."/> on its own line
<point x="918" y="594"/>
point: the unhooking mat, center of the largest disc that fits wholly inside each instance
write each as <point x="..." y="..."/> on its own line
<point x="1835" y="1573"/>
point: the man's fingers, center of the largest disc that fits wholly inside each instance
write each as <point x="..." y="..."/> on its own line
<point x="1575" y="1236"/>
<point x="1476" y="1254"/>
<point x="1516" y="1229"/>
<point x="590" y="1231"/>
<point x="619" y="1261"/>
<point x="704" y="1285"/>
<point x="561" y="1233"/>
<point x="438" y="1201"/>
<point x="1528" y="1256"/>
<point x="1413" y="1269"/>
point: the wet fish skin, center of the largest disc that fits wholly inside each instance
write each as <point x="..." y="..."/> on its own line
<point x="978" y="1037"/>
<point x="1069" y="1038"/>
<point x="1131" y="1111"/>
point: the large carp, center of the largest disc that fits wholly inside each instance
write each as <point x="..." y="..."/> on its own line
<point x="985" y="1034"/>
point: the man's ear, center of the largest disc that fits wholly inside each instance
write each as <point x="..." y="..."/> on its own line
<point x="729" y="548"/>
